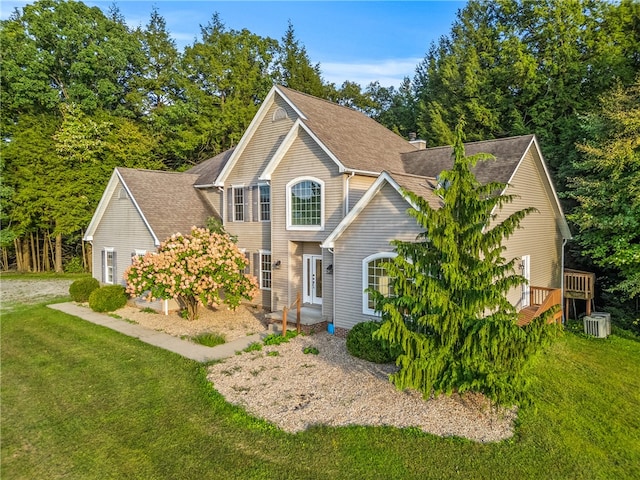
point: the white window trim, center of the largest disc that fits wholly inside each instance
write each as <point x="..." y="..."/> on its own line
<point x="233" y="202"/>
<point x="107" y="251"/>
<point x="261" y="253"/>
<point x="365" y="279"/>
<point x="314" y="228"/>
<point x="260" y="203"/>
<point x="140" y="252"/>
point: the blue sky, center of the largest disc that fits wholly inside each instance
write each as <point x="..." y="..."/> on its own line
<point x="361" y="41"/>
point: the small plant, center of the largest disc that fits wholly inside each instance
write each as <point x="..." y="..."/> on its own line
<point x="209" y="339"/>
<point x="148" y="310"/>
<point x="273" y="353"/>
<point x="115" y="315"/>
<point x="107" y="299"/>
<point x="82" y="288"/>
<point x="253" y="347"/>
<point x="361" y="344"/>
<point x="312" y="350"/>
<point x="277" y="339"/>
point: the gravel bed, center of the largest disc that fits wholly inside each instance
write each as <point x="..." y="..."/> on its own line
<point x="294" y="391"/>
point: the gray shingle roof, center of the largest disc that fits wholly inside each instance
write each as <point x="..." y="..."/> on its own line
<point x="167" y="200"/>
<point x="421" y="186"/>
<point x="507" y="152"/>
<point x="359" y="142"/>
<point x="209" y="169"/>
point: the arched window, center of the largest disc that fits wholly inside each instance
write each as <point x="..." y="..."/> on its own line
<point x="305" y="204"/>
<point x="374" y="276"/>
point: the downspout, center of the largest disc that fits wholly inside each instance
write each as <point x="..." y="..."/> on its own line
<point x="333" y="315"/>
<point x="564" y="242"/>
<point x="224" y="205"/>
<point x="346" y="204"/>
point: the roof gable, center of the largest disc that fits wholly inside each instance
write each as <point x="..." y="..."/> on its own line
<point x="167" y="202"/>
<point x="401" y="183"/>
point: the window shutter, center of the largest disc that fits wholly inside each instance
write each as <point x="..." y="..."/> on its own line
<point x="230" y="204"/>
<point x="115" y="269"/>
<point x="256" y="266"/>
<point x="104" y="266"/>
<point x="246" y="193"/>
<point x="255" y="190"/>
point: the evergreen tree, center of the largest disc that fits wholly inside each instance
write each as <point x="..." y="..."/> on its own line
<point x="227" y="74"/>
<point x="294" y="68"/>
<point x="517" y="66"/>
<point x="449" y="311"/>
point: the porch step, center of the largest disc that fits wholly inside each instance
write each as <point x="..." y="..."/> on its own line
<point x="308" y="316"/>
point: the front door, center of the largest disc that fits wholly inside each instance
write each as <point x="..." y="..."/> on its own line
<point x="526" y="287"/>
<point x="312" y="277"/>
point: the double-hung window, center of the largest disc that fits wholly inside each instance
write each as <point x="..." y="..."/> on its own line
<point x="305" y="204"/>
<point x="265" y="202"/>
<point x="238" y="204"/>
<point x="375" y="277"/>
<point x="109" y="265"/>
<point x="265" y="270"/>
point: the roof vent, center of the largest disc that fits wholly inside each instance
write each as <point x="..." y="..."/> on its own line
<point x="280" y="114"/>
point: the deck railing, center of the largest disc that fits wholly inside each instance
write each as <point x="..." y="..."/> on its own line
<point x="579" y="284"/>
<point x="542" y="299"/>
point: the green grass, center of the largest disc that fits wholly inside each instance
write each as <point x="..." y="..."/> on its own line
<point x="80" y="401"/>
<point x="209" y="339"/>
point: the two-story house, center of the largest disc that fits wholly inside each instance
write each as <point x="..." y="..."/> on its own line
<point x="314" y="193"/>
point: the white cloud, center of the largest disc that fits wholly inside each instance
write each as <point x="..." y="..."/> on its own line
<point x="387" y="72"/>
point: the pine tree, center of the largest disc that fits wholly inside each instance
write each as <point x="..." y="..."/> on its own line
<point x="449" y="312"/>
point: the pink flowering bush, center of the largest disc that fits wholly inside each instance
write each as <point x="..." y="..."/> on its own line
<point x="203" y="268"/>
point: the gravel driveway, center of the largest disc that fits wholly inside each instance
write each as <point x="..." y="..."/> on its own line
<point x="31" y="291"/>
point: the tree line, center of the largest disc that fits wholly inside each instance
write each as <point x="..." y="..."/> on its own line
<point x="82" y="93"/>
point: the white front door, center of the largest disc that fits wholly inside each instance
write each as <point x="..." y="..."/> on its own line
<point x="526" y="287"/>
<point x="312" y="277"/>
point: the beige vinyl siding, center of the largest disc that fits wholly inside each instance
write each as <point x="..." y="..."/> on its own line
<point x="383" y="220"/>
<point x="254" y="236"/>
<point x="539" y="234"/>
<point x="303" y="159"/>
<point x="214" y="197"/>
<point x="122" y="229"/>
<point x="358" y="185"/>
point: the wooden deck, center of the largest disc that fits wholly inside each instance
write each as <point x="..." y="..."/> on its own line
<point x="579" y="285"/>
<point x="542" y="299"/>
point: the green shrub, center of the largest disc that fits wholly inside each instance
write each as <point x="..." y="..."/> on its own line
<point x="209" y="339"/>
<point x="82" y="288"/>
<point x="312" y="350"/>
<point x="361" y="344"/>
<point x="107" y="299"/>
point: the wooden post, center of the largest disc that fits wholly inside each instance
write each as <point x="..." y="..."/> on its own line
<point x="298" y="307"/>
<point x="284" y="321"/>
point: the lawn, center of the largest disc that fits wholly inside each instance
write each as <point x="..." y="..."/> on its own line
<point x="81" y="401"/>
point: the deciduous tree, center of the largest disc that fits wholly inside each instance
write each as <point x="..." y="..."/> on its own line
<point x="605" y="183"/>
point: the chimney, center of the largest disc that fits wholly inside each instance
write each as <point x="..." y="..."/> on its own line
<point x="419" y="144"/>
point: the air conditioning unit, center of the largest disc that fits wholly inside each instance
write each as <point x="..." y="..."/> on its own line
<point x="596" y="326"/>
<point x="607" y="317"/>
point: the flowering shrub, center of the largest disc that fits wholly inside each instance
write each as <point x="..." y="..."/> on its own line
<point x="203" y="268"/>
